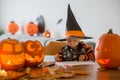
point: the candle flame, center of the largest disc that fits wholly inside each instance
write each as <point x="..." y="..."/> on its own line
<point x="31" y="58"/>
<point x="9" y="62"/>
<point x="48" y="35"/>
<point x="3" y="73"/>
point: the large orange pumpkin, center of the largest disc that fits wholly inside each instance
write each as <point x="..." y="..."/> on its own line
<point x="11" y="54"/>
<point x="34" y="53"/>
<point x="31" y="28"/>
<point x="107" y="50"/>
<point x="13" y="27"/>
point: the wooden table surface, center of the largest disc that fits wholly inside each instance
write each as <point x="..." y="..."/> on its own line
<point x="95" y="73"/>
<point x="93" y="70"/>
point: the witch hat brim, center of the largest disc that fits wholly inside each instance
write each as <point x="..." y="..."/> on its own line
<point x="85" y="37"/>
<point x="72" y="27"/>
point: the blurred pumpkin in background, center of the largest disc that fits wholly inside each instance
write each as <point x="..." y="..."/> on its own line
<point x="31" y="28"/>
<point x="13" y="27"/>
<point x="47" y="34"/>
<point x="107" y="50"/>
<point x="11" y="54"/>
<point x="34" y="52"/>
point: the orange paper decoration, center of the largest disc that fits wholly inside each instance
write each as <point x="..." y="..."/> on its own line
<point x="13" y="27"/>
<point x="31" y="28"/>
<point x="11" y="54"/>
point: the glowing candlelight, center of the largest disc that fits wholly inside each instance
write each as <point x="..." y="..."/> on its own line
<point x="3" y="73"/>
<point x="9" y="62"/>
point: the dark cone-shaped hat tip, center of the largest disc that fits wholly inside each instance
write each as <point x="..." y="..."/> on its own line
<point x="71" y="21"/>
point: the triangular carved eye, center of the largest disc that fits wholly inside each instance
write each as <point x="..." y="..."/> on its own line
<point x="29" y="46"/>
<point x="18" y="48"/>
<point x="7" y="47"/>
<point x="104" y="49"/>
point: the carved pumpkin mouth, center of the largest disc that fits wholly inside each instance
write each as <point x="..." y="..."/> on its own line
<point x="104" y="61"/>
<point x="12" y="59"/>
<point x="34" y="59"/>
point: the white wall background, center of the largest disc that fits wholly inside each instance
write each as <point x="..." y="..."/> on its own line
<point x="94" y="16"/>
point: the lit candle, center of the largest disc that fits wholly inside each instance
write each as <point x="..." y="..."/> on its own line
<point x="3" y="73"/>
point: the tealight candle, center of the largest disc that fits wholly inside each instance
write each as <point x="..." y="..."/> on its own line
<point x="3" y="73"/>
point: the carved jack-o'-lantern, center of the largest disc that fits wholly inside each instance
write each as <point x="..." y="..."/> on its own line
<point x="13" y="27"/>
<point x="34" y="52"/>
<point x="11" y="54"/>
<point x="107" y="50"/>
<point x="31" y="28"/>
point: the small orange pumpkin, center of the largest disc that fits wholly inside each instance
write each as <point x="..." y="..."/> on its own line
<point x="34" y="53"/>
<point x="47" y="34"/>
<point x="31" y="28"/>
<point x="13" y="27"/>
<point x="11" y="54"/>
<point x="107" y="50"/>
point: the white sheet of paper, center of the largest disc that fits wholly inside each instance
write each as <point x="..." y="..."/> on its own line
<point x="73" y="63"/>
<point x="49" y="58"/>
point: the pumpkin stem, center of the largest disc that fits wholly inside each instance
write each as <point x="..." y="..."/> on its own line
<point x="9" y="38"/>
<point x="110" y="31"/>
<point x="12" y="21"/>
<point x="31" y="22"/>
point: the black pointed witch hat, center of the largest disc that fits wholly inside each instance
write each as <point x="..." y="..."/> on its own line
<point x="72" y="27"/>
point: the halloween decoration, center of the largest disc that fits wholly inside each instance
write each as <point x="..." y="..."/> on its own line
<point x="72" y="27"/>
<point x="40" y="24"/>
<point x="31" y="28"/>
<point x="47" y="34"/>
<point x="13" y="27"/>
<point x="59" y="21"/>
<point x="11" y="54"/>
<point x="107" y="50"/>
<point x="34" y="53"/>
